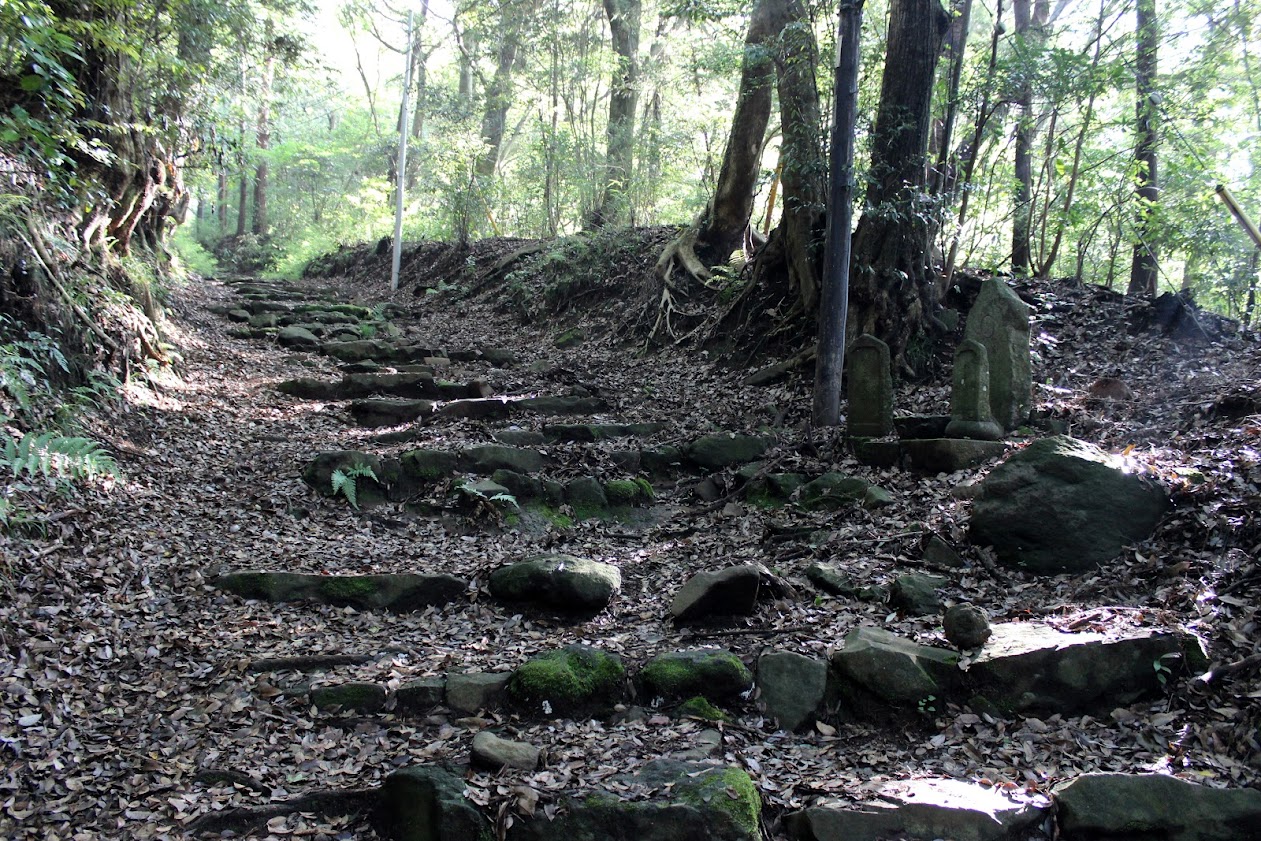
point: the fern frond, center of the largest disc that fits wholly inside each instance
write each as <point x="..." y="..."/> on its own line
<point x="51" y="454"/>
<point x="344" y="481"/>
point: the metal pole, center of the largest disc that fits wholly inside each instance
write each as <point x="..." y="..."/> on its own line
<point x="834" y="300"/>
<point x="402" y="162"/>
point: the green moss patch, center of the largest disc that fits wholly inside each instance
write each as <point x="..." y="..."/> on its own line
<point x="573" y="679"/>
<point x="716" y="675"/>
<point x="627" y="492"/>
<point x="700" y="707"/>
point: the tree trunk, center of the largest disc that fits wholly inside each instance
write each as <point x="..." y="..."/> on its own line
<point x="623" y="100"/>
<point x="804" y="169"/>
<point x="893" y="286"/>
<point x="263" y="140"/>
<point x="942" y="179"/>
<point x="499" y="96"/>
<point x="1143" y="268"/>
<point x="221" y="196"/>
<point x="1031" y="19"/>
<point x="722" y="227"/>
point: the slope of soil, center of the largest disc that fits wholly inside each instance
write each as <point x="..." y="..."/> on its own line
<point x="129" y="708"/>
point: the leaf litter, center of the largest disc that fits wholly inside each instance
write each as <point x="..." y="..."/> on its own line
<point x="130" y="709"/>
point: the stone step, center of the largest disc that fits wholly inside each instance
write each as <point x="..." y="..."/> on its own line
<point x="411" y="385"/>
<point x="454" y="405"/>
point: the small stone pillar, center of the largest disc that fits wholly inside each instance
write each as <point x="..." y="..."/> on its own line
<point x="999" y="320"/>
<point x="970" y="413"/>
<point x="870" y="389"/>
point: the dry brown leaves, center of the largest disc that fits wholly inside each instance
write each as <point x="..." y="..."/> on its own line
<point x="125" y="672"/>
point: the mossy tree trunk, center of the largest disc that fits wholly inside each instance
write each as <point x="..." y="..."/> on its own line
<point x="893" y="283"/>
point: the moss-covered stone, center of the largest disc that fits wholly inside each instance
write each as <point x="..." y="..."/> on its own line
<point x="318" y="473"/>
<point x="626" y="492"/>
<point x="729" y="790"/>
<point x="686" y="801"/>
<point x="431" y="465"/>
<point x="428" y="804"/>
<point x="359" y="697"/>
<point x="714" y="452"/>
<point x="571" y="680"/>
<point x="570" y="338"/>
<point x="586" y="496"/>
<point x="832" y="490"/>
<point x="558" y="582"/>
<point x="717" y="675"/>
<point x="398" y="592"/>
<point x="700" y="707"/>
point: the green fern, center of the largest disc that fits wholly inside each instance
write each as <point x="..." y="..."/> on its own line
<point x="345" y="482"/>
<point x="54" y="455"/>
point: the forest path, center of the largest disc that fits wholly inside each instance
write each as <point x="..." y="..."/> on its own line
<point x="137" y="701"/>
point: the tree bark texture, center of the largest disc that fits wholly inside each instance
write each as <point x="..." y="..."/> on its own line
<point x="624" y="23"/>
<point x="499" y="95"/>
<point x="893" y="285"/>
<point x="263" y="142"/>
<point x="1143" y="267"/>
<point x="801" y="225"/>
<point x="1031" y="19"/>
<point x="722" y="226"/>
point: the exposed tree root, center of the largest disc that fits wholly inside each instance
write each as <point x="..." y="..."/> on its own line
<point x="247" y="819"/>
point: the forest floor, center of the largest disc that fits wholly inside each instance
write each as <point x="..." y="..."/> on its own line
<point x="124" y="675"/>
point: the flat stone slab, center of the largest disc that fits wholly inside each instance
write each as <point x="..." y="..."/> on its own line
<point x="922" y="810"/>
<point x="1028" y="667"/>
<point x="387" y="411"/>
<point x="1024" y="667"/>
<point x="1156" y="806"/>
<point x="591" y="432"/>
<point x="398" y="592"/>
<point x="946" y="455"/>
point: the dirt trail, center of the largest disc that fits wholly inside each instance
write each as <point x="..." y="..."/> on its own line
<point x="129" y="679"/>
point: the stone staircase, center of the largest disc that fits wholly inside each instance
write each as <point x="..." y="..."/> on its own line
<point x="526" y="460"/>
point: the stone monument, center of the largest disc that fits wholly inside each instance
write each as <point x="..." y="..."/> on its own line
<point x="970" y="412"/>
<point x="870" y="390"/>
<point x="999" y="320"/>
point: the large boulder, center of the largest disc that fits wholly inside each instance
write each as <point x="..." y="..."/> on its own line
<point x="878" y="669"/>
<point x="732" y="592"/>
<point x="792" y="687"/>
<point x="558" y="582"/>
<point x="297" y="337"/>
<point x="1156" y="806"/>
<point x="1063" y="505"/>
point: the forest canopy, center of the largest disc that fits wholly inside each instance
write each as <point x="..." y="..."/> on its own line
<point x="276" y="124"/>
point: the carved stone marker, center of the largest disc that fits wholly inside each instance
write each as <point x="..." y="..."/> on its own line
<point x="870" y="389"/>
<point x="1000" y="321"/>
<point x="970" y="413"/>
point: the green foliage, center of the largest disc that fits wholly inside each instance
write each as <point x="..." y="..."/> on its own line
<point x="345" y="479"/>
<point x="55" y="456"/>
<point x="192" y="254"/>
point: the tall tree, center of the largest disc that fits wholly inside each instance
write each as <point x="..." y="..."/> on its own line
<point x="267" y="79"/>
<point x="1143" y="267"/>
<point x="893" y="284"/>
<point x="1032" y="17"/>
<point x="499" y="90"/>
<point x="624" y="23"/>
